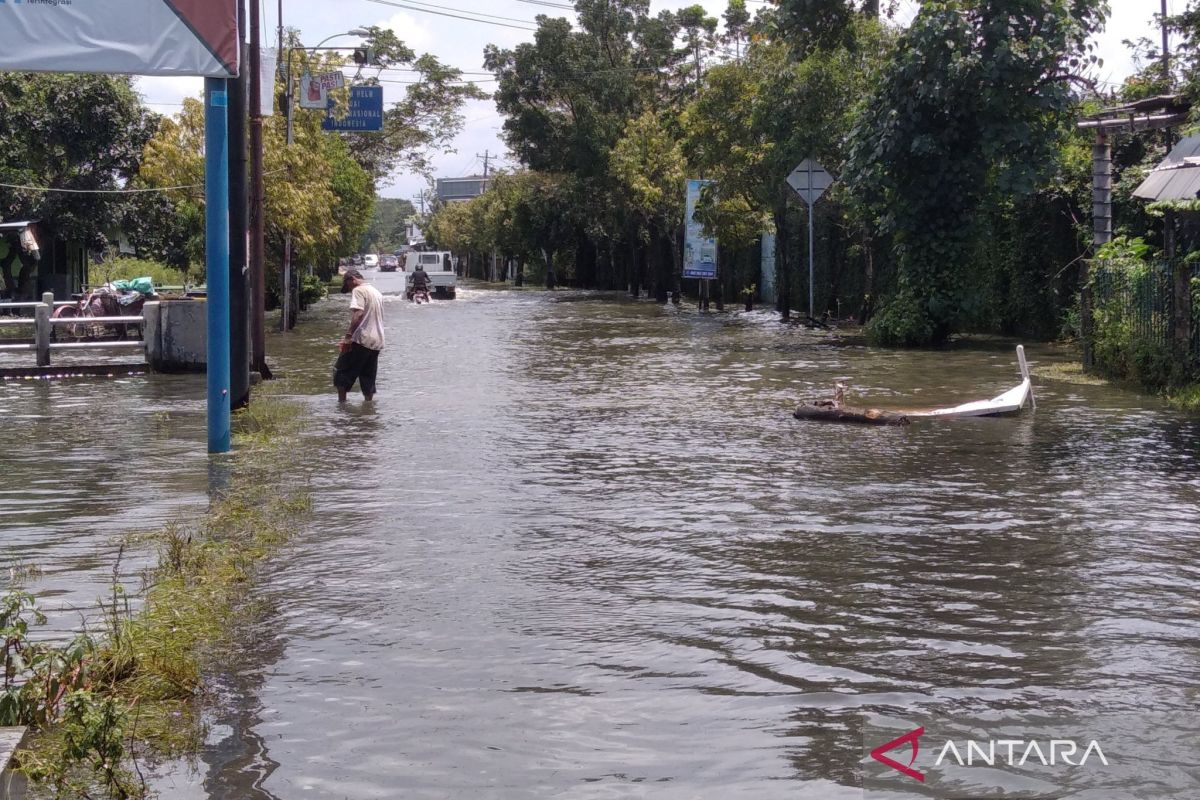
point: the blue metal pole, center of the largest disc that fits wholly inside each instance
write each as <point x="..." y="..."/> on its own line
<point x="216" y="258"/>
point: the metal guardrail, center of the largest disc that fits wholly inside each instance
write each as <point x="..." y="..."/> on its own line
<point x="43" y="324"/>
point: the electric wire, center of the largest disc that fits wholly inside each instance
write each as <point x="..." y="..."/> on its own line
<point x="99" y="191"/>
<point x="454" y="16"/>
<point x="548" y="4"/>
<point x="115" y="191"/>
<point x="475" y="13"/>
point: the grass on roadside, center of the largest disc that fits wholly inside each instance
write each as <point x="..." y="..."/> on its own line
<point x="1186" y="399"/>
<point x="107" y="701"/>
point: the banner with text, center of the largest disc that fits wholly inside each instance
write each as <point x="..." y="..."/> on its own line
<point x="699" y="251"/>
<point x="131" y="37"/>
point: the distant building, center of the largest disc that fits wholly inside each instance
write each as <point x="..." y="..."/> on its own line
<point x="455" y="190"/>
<point x="412" y="232"/>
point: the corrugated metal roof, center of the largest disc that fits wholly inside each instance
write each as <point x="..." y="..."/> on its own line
<point x="16" y="226"/>
<point x="1177" y="177"/>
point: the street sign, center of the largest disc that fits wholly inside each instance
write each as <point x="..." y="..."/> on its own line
<point x="810" y="180"/>
<point x="365" y="114"/>
<point x="314" y="89"/>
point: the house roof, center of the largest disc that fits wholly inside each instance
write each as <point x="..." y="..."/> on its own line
<point x="1177" y="177"/>
<point x="9" y="227"/>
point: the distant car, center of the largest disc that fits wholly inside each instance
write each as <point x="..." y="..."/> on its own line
<point x="388" y="263"/>
<point x="370" y="261"/>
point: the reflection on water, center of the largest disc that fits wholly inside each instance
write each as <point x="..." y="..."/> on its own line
<point x="581" y="549"/>
<point x="86" y="461"/>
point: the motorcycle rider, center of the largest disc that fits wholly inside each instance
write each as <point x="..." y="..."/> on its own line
<point x="419" y="281"/>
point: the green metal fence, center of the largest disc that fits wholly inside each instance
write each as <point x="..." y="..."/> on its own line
<point x="1135" y="304"/>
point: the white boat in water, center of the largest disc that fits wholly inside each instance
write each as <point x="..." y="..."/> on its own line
<point x="1010" y="402"/>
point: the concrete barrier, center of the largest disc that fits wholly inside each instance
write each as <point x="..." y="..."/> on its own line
<point x="176" y="335"/>
<point x="12" y="785"/>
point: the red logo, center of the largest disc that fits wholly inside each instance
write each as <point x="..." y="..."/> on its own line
<point x="912" y="738"/>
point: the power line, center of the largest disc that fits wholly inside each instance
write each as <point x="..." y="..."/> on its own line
<point x="475" y="13"/>
<point x="456" y="82"/>
<point x="114" y="191"/>
<point x="454" y="16"/>
<point x="555" y="5"/>
<point x="413" y="69"/>
<point x="99" y="191"/>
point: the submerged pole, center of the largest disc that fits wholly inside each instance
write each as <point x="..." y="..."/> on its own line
<point x="216" y="258"/>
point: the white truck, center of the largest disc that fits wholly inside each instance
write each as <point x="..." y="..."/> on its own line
<point x="440" y="266"/>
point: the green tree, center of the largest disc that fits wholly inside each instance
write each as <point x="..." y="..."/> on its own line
<point x="699" y="35"/>
<point x="649" y="166"/>
<point x="95" y="146"/>
<point x="387" y="230"/>
<point x="737" y="22"/>
<point x="973" y="93"/>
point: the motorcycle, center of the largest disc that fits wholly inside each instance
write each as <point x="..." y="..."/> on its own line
<point x="103" y="301"/>
<point x="419" y="296"/>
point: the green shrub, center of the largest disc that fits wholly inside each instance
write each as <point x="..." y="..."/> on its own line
<point x="312" y="289"/>
<point x="1187" y="399"/>
<point x="102" y="272"/>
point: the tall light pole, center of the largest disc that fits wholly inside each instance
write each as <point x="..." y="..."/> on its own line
<point x="286" y="288"/>
<point x="287" y="54"/>
<point x="258" y="325"/>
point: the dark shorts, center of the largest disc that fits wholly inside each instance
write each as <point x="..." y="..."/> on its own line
<point x="356" y="364"/>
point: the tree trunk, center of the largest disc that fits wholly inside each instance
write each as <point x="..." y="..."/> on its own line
<point x="632" y="272"/>
<point x="783" y="284"/>
<point x="519" y="279"/>
<point x="551" y="281"/>
<point x="585" y="262"/>
<point x="676" y="272"/>
<point x="654" y="262"/>
<point x="828" y="411"/>
<point x="868" y="301"/>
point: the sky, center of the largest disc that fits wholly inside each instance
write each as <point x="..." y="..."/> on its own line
<point x="460" y="44"/>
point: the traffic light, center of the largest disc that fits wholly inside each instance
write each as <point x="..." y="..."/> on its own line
<point x="364" y="56"/>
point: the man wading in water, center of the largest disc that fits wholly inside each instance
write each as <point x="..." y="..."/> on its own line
<point x="361" y="345"/>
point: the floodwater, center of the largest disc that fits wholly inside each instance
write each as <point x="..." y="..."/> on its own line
<point x="579" y="548"/>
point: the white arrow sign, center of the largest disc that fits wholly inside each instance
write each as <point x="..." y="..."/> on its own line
<point x="810" y="180"/>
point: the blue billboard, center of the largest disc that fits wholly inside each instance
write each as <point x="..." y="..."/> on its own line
<point x="365" y="114"/>
<point x="699" y="251"/>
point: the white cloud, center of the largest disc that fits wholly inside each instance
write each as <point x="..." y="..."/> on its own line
<point x="408" y="30"/>
<point x="164" y="94"/>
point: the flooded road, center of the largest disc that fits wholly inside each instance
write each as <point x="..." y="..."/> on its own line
<point x="578" y="548"/>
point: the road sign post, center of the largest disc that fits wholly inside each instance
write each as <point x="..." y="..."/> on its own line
<point x="810" y="180"/>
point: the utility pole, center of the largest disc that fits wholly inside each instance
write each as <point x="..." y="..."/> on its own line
<point x="1166" y="46"/>
<point x="239" y="305"/>
<point x="216" y="258"/>
<point x="487" y="156"/>
<point x="1166" y="67"/>
<point x="420" y="198"/>
<point x="285" y="278"/>
<point x="258" y="292"/>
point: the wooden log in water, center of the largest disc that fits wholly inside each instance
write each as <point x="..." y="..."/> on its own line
<point x="829" y="411"/>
